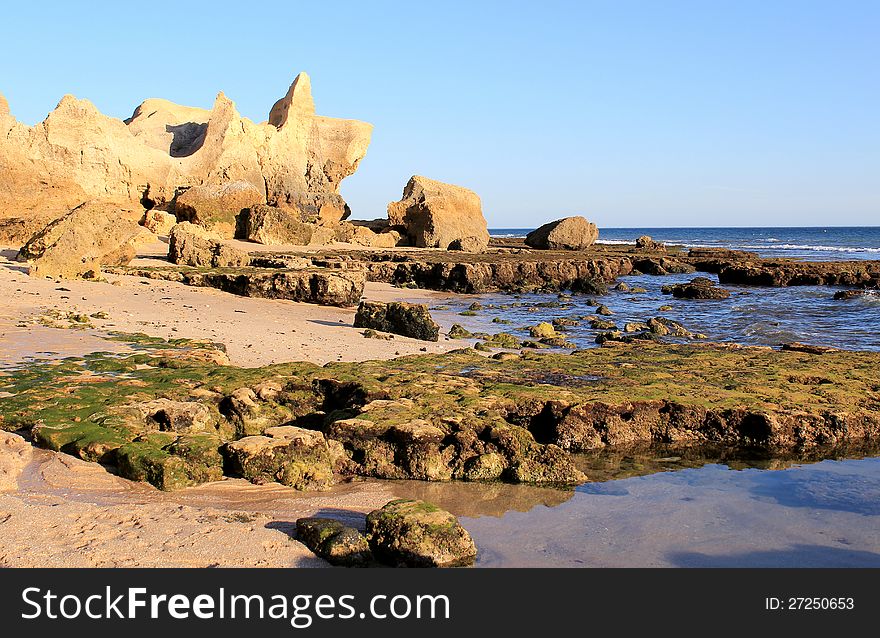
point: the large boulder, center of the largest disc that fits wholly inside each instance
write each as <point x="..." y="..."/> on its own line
<point x="438" y="215"/>
<point x="418" y="534"/>
<point x="409" y="320"/>
<point x="193" y="245"/>
<point x="569" y="233"/>
<point x="80" y="242"/>
<point x="271" y="225"/>
<point x="216" y="207"/>
<point x="4" y="106"/>
<point x="297" y="159"/>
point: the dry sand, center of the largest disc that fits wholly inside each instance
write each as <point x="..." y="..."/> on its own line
<point x="255" y="331"/>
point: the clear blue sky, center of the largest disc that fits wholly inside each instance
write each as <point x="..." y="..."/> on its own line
<point x="670" y="113"/>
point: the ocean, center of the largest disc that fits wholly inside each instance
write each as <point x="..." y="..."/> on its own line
<point x="751" y="316"/>
<point x="826" y="243"/>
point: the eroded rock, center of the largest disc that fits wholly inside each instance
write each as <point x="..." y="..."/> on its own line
<point x="216" y="207"/>
<point x="80" y="242"/>
<point x="409" y="320"/>
<point x="438" y="215"/>
<point x="569" y="233"/>
<point x="193" y="245"/>
<point x="418" y="534"/>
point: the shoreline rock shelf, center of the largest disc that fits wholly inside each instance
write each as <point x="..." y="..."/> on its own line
<point x="310" y="285"/>
<point x="165" y="416"/>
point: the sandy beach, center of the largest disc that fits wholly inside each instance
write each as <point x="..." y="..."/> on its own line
<point x="56" y="510"/>
<point x="256" y="332"/>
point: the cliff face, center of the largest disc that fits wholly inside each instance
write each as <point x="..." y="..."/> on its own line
<point x="78" y="154"/>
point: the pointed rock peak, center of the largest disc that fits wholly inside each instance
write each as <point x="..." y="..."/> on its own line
<point x="297" y="102"/>
<point x="223" y="106"/>
<point x="4" y="105"/>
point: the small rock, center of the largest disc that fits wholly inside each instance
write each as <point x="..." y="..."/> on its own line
<point x="334" y="542"/>
<point x="418" y="534"/>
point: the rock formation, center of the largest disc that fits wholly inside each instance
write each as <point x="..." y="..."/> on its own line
<point x="297" y="159"/>
<point x="409" y="320"/>
<point x="419" y="534"/>
<point x="158" y="222"/>
<point x="697" y="288"/>
<point x="192" y="245"/>
<point x="216" y="207"/>
<point x="271" y="226"/>
<point x="81" y="242"/>
<point x="569" y="233"/>
<point x="438" y="215"/>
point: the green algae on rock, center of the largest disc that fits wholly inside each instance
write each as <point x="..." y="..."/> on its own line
<point x="169" y="415"/>
<point x="418" y="534"/>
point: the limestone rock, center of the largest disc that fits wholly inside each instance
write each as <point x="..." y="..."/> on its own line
<point x="194" y="246"/>
<point x="569" y="233"/>
<point x="80" y="242"/>
<point x="418" y="534"/>
<point x="299" y="458"/>
<point x="4" y="106"/>
<point x="76" y="154"/>
<point x="216" y="207"/>
<point x="645" y="242"/>
<point x="298" y="159"/>
<point x="173" y="128"/>
<point x="409" y="320"/>
<point x="158" y="222"/>
<point x="15" y="231"/>
<point x="440" y="215"/>
<point x="271" y="226"/>
<point x="364" y="235"/>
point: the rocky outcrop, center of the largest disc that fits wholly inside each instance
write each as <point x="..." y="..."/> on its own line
<point x="697" y="288"/>
<point x="16" y="231"/>
<point x="438" y="215"/>
<point x="659" y="266"/>
<point x="569" y="233"/>
<point x="192" y="245"/>
<point x="748" y="269"/>
<point x="308" y="285"/>
<point x="158" y="222"/>
<point x="216" y="207"/>
<point x="418" y="534"/>
<point x="270" y="225"/>
<point x="645" y="242"/>
<point x="80" y="242"/>
<point x="296" y="457"/>
<point x="297" y="159"/>
<point x="409" y="320"/>
<point x="497" y="272"/>
<point x="380" y="236"/>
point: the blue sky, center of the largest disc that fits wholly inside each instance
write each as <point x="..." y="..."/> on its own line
<point x="672" y="113"/>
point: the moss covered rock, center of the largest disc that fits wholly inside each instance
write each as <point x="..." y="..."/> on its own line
<point x="418" y="534"/>
<point x="334" y="542"/>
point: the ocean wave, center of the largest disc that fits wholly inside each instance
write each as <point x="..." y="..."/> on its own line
<point x="836" y="249"/>
<point x="736" y="246"/>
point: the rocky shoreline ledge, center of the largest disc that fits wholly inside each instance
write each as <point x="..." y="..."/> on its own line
<point x="171" y="416"/>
